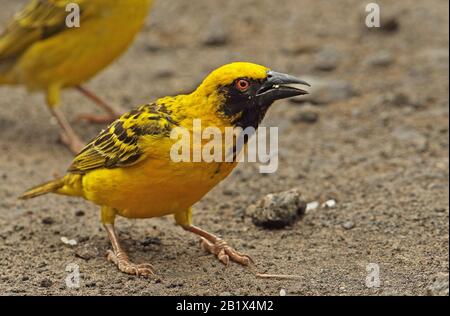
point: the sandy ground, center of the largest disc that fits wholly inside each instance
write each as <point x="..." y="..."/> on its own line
<point x="379" y="147"/>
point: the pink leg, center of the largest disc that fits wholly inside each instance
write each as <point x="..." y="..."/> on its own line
<point x="219" y="247"/>
<point x="111" y="115"/>
<point x="120" y="258"/>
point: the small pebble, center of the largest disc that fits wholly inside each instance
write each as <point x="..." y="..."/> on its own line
<point x="309" y="117"/>
<point x="295" y="48"/>
<point x="327" y="59"/>
<point x="379" y="59"/>
<point x="79" y="213"/>
<point x="86" y="253"/>
<point x="70" y="242"/>
<point x="399" y="99"/>
<point x="325" y="91"/>
<point x="312" y="206"/>
<point x="47" y="221"/>
<point x="348" y="225"/>
<point x="151" y="241"/>
<point x="411" y="137"/>
<point x="390" y="24"/>
<point x="329" y="204"/>
<point x="217" y="35"/>
<point x="46" y="283"/>
<point x="83" y="239"/>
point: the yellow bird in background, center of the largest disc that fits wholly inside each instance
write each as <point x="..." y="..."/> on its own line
<point x="42" y="51"/>
<point x="128" y="170"/>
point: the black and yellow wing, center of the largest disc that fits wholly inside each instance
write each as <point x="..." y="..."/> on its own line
<point x="120" y="145"/>
<point x="39" y="20"/>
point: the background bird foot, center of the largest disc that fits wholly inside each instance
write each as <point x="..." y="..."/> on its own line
<point x="74" y="144"/>
<point x="124" y="264"/>
<point x="98" y="119"/>
<point x="224" y="252"/>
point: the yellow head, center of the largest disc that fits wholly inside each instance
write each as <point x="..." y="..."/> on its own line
<point x="227" y="74"/>
<point x="243" y="92"/>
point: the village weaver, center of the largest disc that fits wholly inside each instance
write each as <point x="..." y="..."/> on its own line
<point x="128" y="171"/>
<point x="39" y="50"/>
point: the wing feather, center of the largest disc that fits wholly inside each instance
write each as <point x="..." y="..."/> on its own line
<point x="120" y="144"/>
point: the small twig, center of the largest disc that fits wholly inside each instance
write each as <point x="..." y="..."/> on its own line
<point x="278" y="276"/>
<point x="273" y="276"/>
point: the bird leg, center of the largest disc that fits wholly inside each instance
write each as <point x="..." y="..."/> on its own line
<point x="68" y="135"/>
<point x="111" y="115"/>
<point x="218" y="247"/>
<point x="120" y="258"/>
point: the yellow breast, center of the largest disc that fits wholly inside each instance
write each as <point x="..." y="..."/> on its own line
<point x="153" y="188"/>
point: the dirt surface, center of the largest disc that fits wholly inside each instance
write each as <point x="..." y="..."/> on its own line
<point x="378" y="147"/>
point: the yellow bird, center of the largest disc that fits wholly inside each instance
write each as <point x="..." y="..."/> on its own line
<point x="128" y="171"/>
<point x="43" y="49"/>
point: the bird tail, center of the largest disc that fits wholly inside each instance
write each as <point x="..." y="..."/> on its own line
<point x="49" y="187"/>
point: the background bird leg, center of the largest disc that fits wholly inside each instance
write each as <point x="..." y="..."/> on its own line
<point x="120" y="258"/>
<point x="68" y="136"/>
<point x="218" y="247"/>
<point x="111" y="115"/>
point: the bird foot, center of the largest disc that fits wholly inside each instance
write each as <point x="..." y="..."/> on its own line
<point x="98" y="119"/>
<point x="224" y="252"/>
<point x="74" y="144"/>
<point x="124" y="264"/>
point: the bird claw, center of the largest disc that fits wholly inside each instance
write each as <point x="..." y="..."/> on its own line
<point x="224" y="252"/>
<point x="125" y="265"/>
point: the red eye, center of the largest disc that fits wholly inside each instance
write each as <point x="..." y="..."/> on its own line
<point x="242" y="85"/>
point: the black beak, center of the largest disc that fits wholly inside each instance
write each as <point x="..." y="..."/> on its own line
<point x="277" y="87"/>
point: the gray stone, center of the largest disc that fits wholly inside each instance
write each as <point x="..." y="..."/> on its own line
<point x="295" y="48"/>
<point x="307" y="116"/>
<point x="323" y="91"/>
<point x="379" y="59"/>
<point x="327" y="59"/>
<point x="46" y="283"/>
<point x="217" y="35"/>
<point x="348" y="225"/>
<point x="276" y="211"/>
<point x="399" y="99"/>
<point x="86" y="252"/>
<point x="438" y="58"/>
<point x="390" y="24"/>
<point x="48" y="221"/>
<point x="411" y="137"/>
